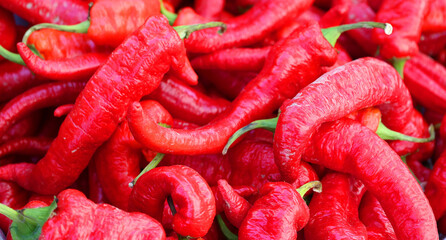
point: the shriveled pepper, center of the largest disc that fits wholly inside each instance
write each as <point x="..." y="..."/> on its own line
<point x="334" y="211"/>
<point x="79" y="218"/>
<point x="234" y="205"/>
<point x="191" y="193"/>
<point x="155" y="43"/>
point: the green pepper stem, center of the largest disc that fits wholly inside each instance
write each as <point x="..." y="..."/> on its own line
<point x="169" y="15"/>
<point x="13" y="57"/>
<point x="398" y="64"/>
<point x="315" y="185"/>
<point x="10" y="213"/>
<point x="225" y="230"/>
<point x="268" y="124"/>
<point x="332" y="34"/>
<point x="155" y="161"/>
<point x="76" y="28"/>
<point x="387" y="134"/>
<point x="186" y="30"/>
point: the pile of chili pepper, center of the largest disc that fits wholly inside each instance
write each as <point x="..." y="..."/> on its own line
<point x="223" y="119"/>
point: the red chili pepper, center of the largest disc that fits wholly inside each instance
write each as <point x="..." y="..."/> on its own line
<point x="441" y="58"/>
<point x="294" y="129"/>
<point x="196" y="203"/>
<point x="436" y="187"/>
<point x="117" y="160"/>
<point x="77" y="68"/>
<point x="374" y="218"/>
<point x="15" y="79"/>
<point x="228" y="83"/>
<point x="278" y="214"/>
<point x="263" y="95"/>
<point x="209" y="9"/>
<point x="95" y="190"/>
<point x="425" y="79"/>
<point x="49" y="11"/>
<point x="364" y="155"/>
<point x="14" y="197"/>
<point x="25" y="146"/>
<point x="27" y="126"/>
<point x="406" y="17"/>
<point x="79" y="218"/>
<point x="63" y="110"/>
<point x="7" y="30"/>
<point x="53" y="45"/>
<point x="336" y="14"/>
<point x="435" y="18"/>
<point x="432" y="43"/>
<point x="187" y="103"/>
<point x="127" y="75"/>
<point x="334" y="211"/>
<point x="51" y="94"/>
<point x="242" y="191"/>
<point x="259" y="21"/>
<point x="234" y="205"/>
<point x="233" y="59"/>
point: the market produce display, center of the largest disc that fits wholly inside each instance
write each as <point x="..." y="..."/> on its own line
<point x="223" y="119"/>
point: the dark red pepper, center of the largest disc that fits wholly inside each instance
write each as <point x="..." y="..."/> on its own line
<point x="15" y="79"/>
<point x="25" y="146"/>
<point x="7" y="30"/>
<point x="436" y="187"/>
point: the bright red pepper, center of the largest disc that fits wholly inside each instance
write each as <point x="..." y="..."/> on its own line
<point x="15" y="79"/>
<point x="7" y="30"/>
<point x="435" y="18"/>
<point x="336" y="14"/>
<point x="334" y="211"/>
<point x="259" y="21"/>
<point x="374" y="218"/>
<point x="48" y="11"/>
<point x="210" y="9"/>
<point x="276" y="82"/>
<point x="234" y="205"/>
<point x="436" y="187"/>
<point x="186" y="103"/>
<point x="193" y="196"/>
<point x="63" y="110"/>
<point x="51" y="94"/>
<point x="129" y="73"/>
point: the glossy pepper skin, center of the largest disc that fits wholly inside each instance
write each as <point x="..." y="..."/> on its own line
<point x="234" y="205"/>
<point x="292" y="64"/>
<point x="34" y="146"/>
<point x="117" y="160"/>
<point x="7" y="30"/>
<point x="436" y="187"/>
<point x="78" y="68"/>
<point x="278" y="214"/>
<point x="347" y="94"/>
<point x="374" y="218"/>
<point x="367" y="157"/>
<point x="15" y="79"/>
<point x="107" y="94"/>
<point x="334" y="211"/>
<point x="49" y="11"/>
<point x="259" y="21"/>
<point x="189" y="191"/>
<point x="112" y="21"/>
<point x="424" y="78"/>
<point x="406" y="17"/>
<point x="186" y="103"/>
<point x="45" y="95"/>
<point x="53" y="44"/>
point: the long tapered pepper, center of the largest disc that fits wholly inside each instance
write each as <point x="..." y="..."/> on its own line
<point x="334" y="211"/>
<point x="364" y="155"/>
<point x="79" y="218"/>
<point x="27" y="126"/>
<point x="374" y="218"/>
<point x="285" y="72"/>
<point x="186" y="103"/>
<point x="51" y="94"/>
<point x="258" y="22"/>
<point x="49" y="11"/>
<point x="117" y="160"/>
<point x="234" y="205"/>
<point x="25" y="146"/>
<point x="349" y="87"/>
<point x="193" y="196"/>
<point x="134" y="69"/>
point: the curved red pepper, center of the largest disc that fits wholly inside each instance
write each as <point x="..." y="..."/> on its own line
<point x="364" y="155"/>
<point x="278" y="214"/>
<point x="77" y="68"/>
<point x="25" y="146"/>
<point x="349" y="88"/>
<point x="191" y="193"/>
<point x="263" y="95"/>
<point x="210" y="9"/>
<point x="51" y="94"/>
<point x="117" y="160"/>
<point x="334" y="211"/>
<point x="258" y="22"/>
<point x="27" y="126"/>
<point x="49" y="11"/>
<point x="186" y="103"/>
<point x="234" y="205"/>
<point x="7" y="30"/>
<point x="228" y="83"/>
<point x="15" y="79"/>
<point x="374" y="218"/>
<point x="129" y="73"/>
